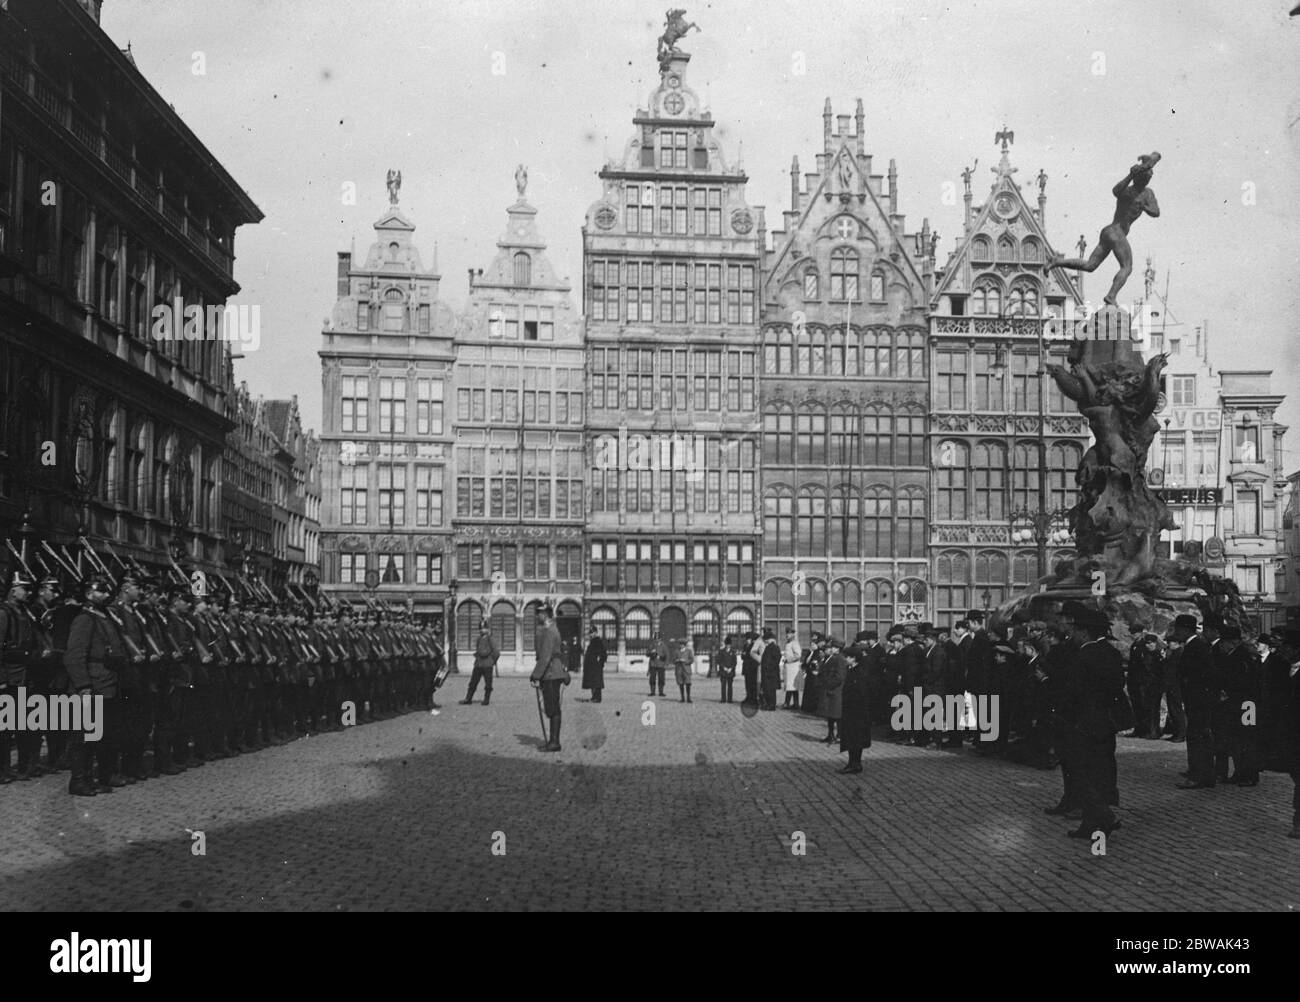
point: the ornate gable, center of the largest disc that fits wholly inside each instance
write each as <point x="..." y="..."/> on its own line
<point x="1003" y="252"/>
<point x="844" y="221"/>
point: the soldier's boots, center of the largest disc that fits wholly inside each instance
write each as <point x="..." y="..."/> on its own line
<point x="553" y="745"/>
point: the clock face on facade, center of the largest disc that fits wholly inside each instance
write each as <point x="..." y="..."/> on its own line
<point x="606" y="217"/>
<point x="1005" y="206"/>
<point x="674" y="103"/>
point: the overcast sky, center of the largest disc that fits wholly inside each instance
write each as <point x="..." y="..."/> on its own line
<point x="301" y="96"/>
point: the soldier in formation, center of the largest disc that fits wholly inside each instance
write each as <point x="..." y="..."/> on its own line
<point x="188" y="675"/>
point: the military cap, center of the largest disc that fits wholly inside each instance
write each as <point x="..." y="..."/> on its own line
<point x="21" y="580"/>
<point x="51" y="582"/>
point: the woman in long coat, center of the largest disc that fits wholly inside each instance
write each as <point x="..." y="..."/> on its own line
<point x="593" y="665"/>
<point x="769" y="671"/>
<point x="832" y="687"/>
<point x="855" y="719"/>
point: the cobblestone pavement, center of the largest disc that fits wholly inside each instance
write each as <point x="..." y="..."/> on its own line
<point x="696" y="811"/>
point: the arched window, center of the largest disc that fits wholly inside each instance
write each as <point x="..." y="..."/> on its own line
<point x="810" y="285"/>
<point x="878" y="606"/>
<point x="1029" y="251"/>
<point x="778" y="606"/>
<point x="1062" y="469"/>
<point x="877" y="437"/>
<point x="778" y="522"/>
<point x="704" y="630"/>
<point x="1024" y="568"/>
<point x="877" y="352"/>
<point x="468" y="617"/>
<point x="1006" y="249"/>
<point x="877" y="286"/>
<point x="802" y="351"/>
<point x="811" y="436"/>
<point x="844" y="274"/>
<point x="503" y="626"/>
<point x="852" y="351"/>
<point x="818" y="351"/>
<point x="637" y="630"/>
<point x="528" y="626"/>
<point x="989" y="468"/>
<point x="986" y="300"/>
<point x="778" y="434"/>
<point x="523" y="269"/>
<point x="1026" y="471"/>
<point x="909" y="515"/>
<point x="739" y="621"/>
<point x="845" y="522"/>
<point x="951" y="482"/>
<point x="1022" y="301"/>
<point x="843" y="441"/>
<point x="811" y="522"/>
<point x="981" y="249"/>
<point x="785" y="350"/>
<point x="846" y="609"/>
<point x="991" y="576"/>
<point x="835" y="362"/>
<point x="605" y="620"/>
<point x="910" y="432"/>
<point x="952" y="586"/>
<point x="394" y="310"/>
<point x="878" y="522"/>
<point x="813" y="607"/>
<point x="909" y="355"/>
<point x="911" y="592"/>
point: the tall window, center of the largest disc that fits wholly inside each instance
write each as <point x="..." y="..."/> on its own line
<point x="1023" y="301"/>
<point x="988" y="385"/>
<point x="523" y="269"/>
<point x="778" y="606"/>
<point x="877" y="437"/>
<point x="813" y="607"/>
<point x="950" y="379"/>
<point x="605" y="620"/>
<point x="811" y="439"/>
<point x="428" y="495"/>
<point x="502" y="626"/>
<point x="911" y="438"/>
<point x="352" y="568"/>
<point x="604" y="565"/>
<point x="1245" y="444"/>
<point x="1173" y="455"/>
<point x="877" y="286"/>
<point x="846" y="608"/>
<point x="428" y="568"/>
<point x="468" y="618"/>
<point x="1205" y="458"/>
<point x="672" y="148"/>
<point x="986" y="300"/>
<point x="637" y="630"/>
<point x="812" y="521"/>
<point x="1026" y="471"/>
<point x="1246" y="512"/>
<point x="356" y="403"/>
<point x="989" y="470"/>
<point x="741" y="568"/>
<point x="877" y="522"/>
<point x="843" y="441"/>
<point x="951" y="482"/>
<point x="778" y="434"/>
<point x="1024" y="382"/>
<point x="845" y="522"/>
<point x="810" y="285"/>
<point x="952" y="586"/>
<point x="1064" y="465"/>
<point x="910" y="539"/>
<point x="844" y="274"/>
<point x="392" y="406"/>
<point x="428" y="406"/>
<point x="991" y="576"/>
<point x="352" y="495"/>
<point x="1182" y="391"/>
<point x="394" y="310"/>
<point x="878" y="606"/>
<point x="107" y="248"/>
<point x="778" y="522"/>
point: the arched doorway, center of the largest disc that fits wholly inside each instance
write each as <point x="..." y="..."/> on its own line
<point x="568" y="620"/>
<point x="672" y="623"/>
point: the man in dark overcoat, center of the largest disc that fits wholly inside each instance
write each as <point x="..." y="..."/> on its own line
<point x="593" y="664"/>
<point x="1093" y="685"/>
<point x="855" y="710"/>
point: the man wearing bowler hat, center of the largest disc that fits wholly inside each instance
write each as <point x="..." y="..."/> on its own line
<point x="1200" y="694"/>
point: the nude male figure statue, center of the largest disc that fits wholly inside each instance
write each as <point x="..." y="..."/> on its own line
<point x="1132" y="198"/>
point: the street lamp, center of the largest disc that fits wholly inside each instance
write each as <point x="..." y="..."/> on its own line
<point x="450" y="623"/>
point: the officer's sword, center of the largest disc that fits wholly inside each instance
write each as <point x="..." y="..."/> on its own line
<point x="540" y="719"/>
